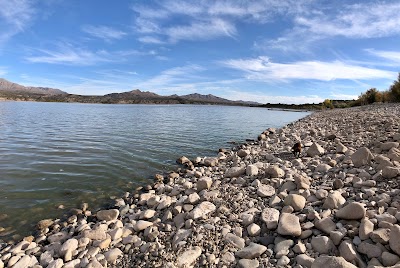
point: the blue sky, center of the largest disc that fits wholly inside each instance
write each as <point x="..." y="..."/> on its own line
<point x="276" y="51"/>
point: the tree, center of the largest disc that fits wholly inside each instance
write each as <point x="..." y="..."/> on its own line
<point x="328" y="104"/>
<point x="394" y="90"/>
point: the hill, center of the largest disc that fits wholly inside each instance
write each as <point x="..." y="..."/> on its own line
<point x="10" y="87"/>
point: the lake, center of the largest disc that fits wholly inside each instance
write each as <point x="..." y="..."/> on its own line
<point x="54" y="154"/>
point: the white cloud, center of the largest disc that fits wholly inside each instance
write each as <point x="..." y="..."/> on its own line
<point x="393" y="56"/>
<point x="15" y="17"/>
<point x="150" y="40"/>
<point x="263" y="69"/>
<point x="69" y="54"/>
<point x="201" y="30"/>
<point x="104" y="32"/>
<point x="177" y="20"/>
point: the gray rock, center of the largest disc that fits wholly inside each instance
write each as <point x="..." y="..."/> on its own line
<point x="181" y="235"/>
<point x="390" y="172"/>
<point x="69" y="245"/>
<point x="371" y="250"/>
<point x="165" y="202"/>
<point x="353" y="211"/>
<point x="323" y="168"/>
<point x="289" y="224"/>
<point x="108" y="215"/>
<point x="97" y="234"/>
<point x="362" y="157"/>
<point x="235" y="172"/>
<point x="252" y="251"/>
<point x="389" y="259"/>
<point x="389" y="145"/>
<point x="394" y="238"/>
<point x="348" y="251"/>
<point x="331" y="262"/>
<point x="235" y="240"/>
<point x="271" y="217"/>
<point x="302" y="182"/>
<point x="58" y="263"/>
<point x="366" y="228"/>
<point x="380" y="235"/>
<point x="253" y="229"/>
<point x="23" y="262"/>
<point x="305" y="260"/>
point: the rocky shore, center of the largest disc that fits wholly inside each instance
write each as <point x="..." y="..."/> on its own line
<point x="337" y="205"/>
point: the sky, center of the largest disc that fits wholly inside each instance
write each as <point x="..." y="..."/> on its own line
<point x="269" y="51"/>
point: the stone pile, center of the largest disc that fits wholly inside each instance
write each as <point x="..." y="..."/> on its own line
<point x="338" y="205"/>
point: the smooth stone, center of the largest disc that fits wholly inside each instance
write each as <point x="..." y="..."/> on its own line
<point x="204" y="183"/>
<point x="251" y="170"/>
<point x="314" y="150"/>
<point x="56" y="264"/>
<point x="327" y="225"/>
<point x="305" y="260"/>
<point x="371" y="250"/>
<point x="253" y="229"/>
<point x="390" y="172"/>
<point x="289" y="224"/>
<point x="23" y="262"/>
<point x="252" y="251"/>
<point x="366" y="228"/>
<point x="69" y="245"/>
<point x="97" y="234"/>
<point x="389" y="259"/>
<point x="353" y="211"/>
<point x="297" y="202"/>
<point x="107" y="215"/>
<point x="141" y="225"/>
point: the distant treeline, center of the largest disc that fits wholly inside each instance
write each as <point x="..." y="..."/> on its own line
<point x="372" y="95"/>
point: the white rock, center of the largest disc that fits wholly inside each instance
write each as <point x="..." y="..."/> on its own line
<point x="297" y="202"/>
<point x="141" y="225"/>
<point x="56" y="264"/>
<point x="265" y="190"/>
<point x="23" y="262"/>
<point x="112" y="255"/>
<point x="289" y="224"/>
<point x="252" y="251"/>
<point x="202" y="210"/>
<point x="187" y="258"/>
<point x="315" y="149"/>
<point x="253" y="229"/>
<point x="69" y="245"/>
<point x="251" y="170"/>
<point x="235" y="240"/>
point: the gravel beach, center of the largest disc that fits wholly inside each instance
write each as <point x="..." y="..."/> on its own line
<point x="337" y="205"/>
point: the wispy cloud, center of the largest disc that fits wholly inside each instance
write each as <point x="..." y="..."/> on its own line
<point x="3" y="71"/>
<point x="70" y="54"/>
<point x="263" y="69"/>
<point x="15" y="17"/>
<point x="391" y="56"/>
<point x="104" y="32"/>
<point x="180" y="20"/>
<point x="372" y="19"/>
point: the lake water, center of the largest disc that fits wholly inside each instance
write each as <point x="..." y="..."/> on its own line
<point x="55" y="154"/>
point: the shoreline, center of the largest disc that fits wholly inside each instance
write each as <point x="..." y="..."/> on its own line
<point x="252" y="206"/>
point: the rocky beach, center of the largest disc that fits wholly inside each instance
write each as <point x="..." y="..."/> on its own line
<point x="337" y="205"/>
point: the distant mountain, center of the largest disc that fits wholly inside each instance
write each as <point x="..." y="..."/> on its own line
<point x="7" y="86"/>
<point x="13" y="91"/>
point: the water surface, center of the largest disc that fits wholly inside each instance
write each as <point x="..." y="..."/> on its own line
<point x="55" y="154"/>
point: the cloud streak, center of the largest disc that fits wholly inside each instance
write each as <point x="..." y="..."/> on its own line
<point x="263" y="69"/>
<point x="103" y="32"/>
<point x="15" y="17"/>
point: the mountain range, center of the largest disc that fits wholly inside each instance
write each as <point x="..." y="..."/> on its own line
<point x="13" y="91"/>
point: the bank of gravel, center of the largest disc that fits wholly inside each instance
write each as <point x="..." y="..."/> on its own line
<point x="338" y="205"/>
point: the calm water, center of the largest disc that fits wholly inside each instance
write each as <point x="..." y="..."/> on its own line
<point x="61" y="153"/>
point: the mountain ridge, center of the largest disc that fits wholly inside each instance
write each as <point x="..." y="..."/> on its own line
<point x="13" y="91"/>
